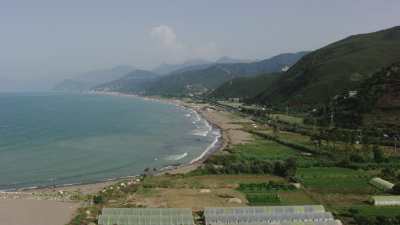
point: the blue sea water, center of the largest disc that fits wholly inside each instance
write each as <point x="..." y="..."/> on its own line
<point x="62" y="138"/>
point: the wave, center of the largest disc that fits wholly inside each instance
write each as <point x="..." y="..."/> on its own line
<point x="209" y="148"/>
<point x="176" y="157"/>
<point x="201" y="131"/>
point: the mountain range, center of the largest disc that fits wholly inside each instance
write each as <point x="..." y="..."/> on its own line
<point x="336" y="68"/>
<point x="133" y="82"/>
<point x="203" y="80"/>
<point x="376" y="103"/>
<point x="304" y="80"/>
<point x="88" y="80"/>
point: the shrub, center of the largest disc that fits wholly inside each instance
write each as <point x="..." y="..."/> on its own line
<point x="378" y="154"/>
<point x="98" y="199"/>
<point x="396" y="189"/>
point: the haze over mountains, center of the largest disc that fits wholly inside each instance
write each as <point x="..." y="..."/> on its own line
<point x="200" y="74"/>
<point x="91" y="79"/>
<point x="200" y="81"/>
<point x="300" y="80"/>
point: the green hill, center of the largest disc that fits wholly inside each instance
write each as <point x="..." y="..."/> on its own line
<point x="207" y="79"/>
<point x="88" y="80"/>
<point x="375" y="104"/>
<point x="244" y="87"/>
<point x="334" y="69"/>
<point x="133" y="82"/>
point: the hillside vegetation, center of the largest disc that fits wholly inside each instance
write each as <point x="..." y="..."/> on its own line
<point x="244" y="87"/>
<point x="334" y="69"/>
<point x="133" y="82"/>
<point x="377" y="102"/>
<point x="204" y="80"/>
<point x="88" y="80"/>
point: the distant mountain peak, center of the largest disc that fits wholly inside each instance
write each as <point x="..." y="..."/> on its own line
<point x="227" y="59"/>
<point x="166" y="68"/>
<point x="86" y="81"/>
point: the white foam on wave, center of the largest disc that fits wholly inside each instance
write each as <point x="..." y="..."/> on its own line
<point x="203" y="129"/>
<point x="209" y="148"/>
<point x="176" y="157"/>
<point x="200" y="133"/>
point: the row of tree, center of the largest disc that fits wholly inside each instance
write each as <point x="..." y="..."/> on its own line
<point x="231" y="165"/>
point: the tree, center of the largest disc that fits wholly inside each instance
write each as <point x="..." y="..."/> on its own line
<point x="396" y="189"/>
<point x="98" y="199"/>
<point x="275" y="129"/>
<point x="388" y="173"/>
<point x="279" y="169"/>
<point x="291" y="167"/>
<point x="378" y="154"/>
<point x="285" y="169"/>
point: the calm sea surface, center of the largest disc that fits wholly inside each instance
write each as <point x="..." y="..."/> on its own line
<point x="60" y="138"/>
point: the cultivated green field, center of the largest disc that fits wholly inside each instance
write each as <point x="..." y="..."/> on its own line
<point x="262" y="149"/>
<point x="335" y="180"/>
<point x="288" y="118"/>
<point x="368" y="211"/>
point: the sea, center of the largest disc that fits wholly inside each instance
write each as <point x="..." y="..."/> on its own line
<point x="56" y="138"/>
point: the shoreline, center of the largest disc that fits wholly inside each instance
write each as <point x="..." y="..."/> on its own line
<point x="216" y="145"/>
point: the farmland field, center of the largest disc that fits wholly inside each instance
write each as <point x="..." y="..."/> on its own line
<point x="263" y="199"/>
<point x="335" y="180"/>
<point x="287" y="118"/>
<point x="369" y="210"/>
<point x="262" y="149"/>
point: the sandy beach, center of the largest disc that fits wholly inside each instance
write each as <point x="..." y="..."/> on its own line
<point x="52" y="206"/>
<point x="36" y="212"/>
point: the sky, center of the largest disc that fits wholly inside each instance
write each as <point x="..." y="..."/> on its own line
<point x="45" y="41"/>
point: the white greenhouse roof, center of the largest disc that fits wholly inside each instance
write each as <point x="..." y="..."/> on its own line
<point x="263" y="210"/>
<point x="146" y="216"/>
<point x="386" y="198"/>
<point x="381" y="183"/>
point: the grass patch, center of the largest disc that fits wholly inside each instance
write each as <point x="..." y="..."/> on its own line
<point x="206" y="181"/>
<point x="263" y="199"/>
<point x="372" y="211"/>
<point x="296" y="198"/>
<point x="274" y="193"/>
<point x="335" y="180"/>
<point x="265" y="187"/>
<point x="288" y="119"/>
<point x="262" y="149"/>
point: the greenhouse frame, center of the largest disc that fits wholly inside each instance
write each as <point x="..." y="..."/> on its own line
<point x="146" y="216"/>
<point x="330" y="222"/>
<point x="263" y="210"/>
<point x="311" y="214"/>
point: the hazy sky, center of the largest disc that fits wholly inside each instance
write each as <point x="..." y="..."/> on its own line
<point x="43" y="41"/>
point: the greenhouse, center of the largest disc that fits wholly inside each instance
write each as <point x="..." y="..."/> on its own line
<point x="330" y="222"/>
<point x="308" y="214"/>
<point x="388" y="200"/>
<point x="381" y="184"/>
<point x="268" y="218"/>
<point x="147" y="211"/>
<point x="263" y="210"/>
<point x="146" y="216"/>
